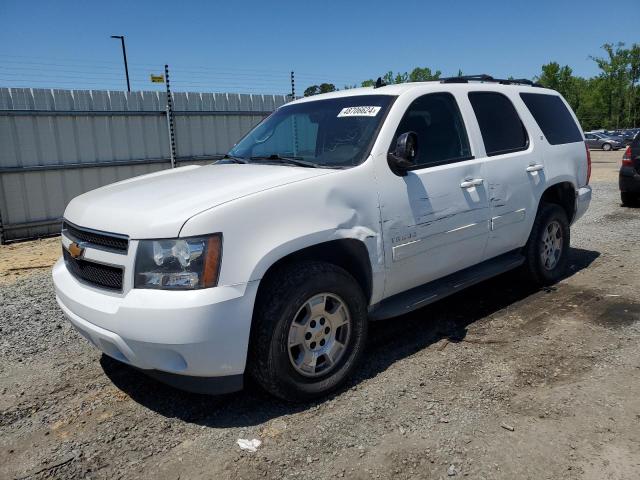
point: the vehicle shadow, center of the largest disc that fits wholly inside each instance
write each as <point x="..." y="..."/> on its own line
<point x="389" y="341"/>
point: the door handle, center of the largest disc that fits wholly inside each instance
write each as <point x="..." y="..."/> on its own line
<point x="535" y="168"/>
<point x="474" y="182"/>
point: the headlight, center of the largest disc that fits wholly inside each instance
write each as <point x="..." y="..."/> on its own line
<point x="178" y="264"/>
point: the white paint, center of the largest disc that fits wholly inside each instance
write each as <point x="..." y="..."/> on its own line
<point x="415" y="228"/>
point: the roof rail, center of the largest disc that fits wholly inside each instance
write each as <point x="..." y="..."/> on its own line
<point x="488" y="78"/>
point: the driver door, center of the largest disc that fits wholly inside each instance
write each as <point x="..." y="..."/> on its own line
<point x="435" y="218"/>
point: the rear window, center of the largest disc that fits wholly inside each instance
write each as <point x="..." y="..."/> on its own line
<point x="553" y="118"/>
<point x="501" y="127"/>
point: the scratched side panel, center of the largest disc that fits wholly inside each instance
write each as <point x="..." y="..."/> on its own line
<point x="433" y="226"/>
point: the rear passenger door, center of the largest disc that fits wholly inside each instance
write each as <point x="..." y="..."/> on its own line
<point x="514" y="170"/>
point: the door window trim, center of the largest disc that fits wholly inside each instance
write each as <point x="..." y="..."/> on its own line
<point x="524" y="128"/>
<point x="441" y="162"/>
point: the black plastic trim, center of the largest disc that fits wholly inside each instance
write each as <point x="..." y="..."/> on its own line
<point x="202" y="385"/>
<point x="423" y="295"/>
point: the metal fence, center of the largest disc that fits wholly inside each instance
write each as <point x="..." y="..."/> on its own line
<point x="56" y="144"/>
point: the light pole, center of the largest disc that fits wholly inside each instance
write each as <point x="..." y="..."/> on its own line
<point x="124" y="54"/>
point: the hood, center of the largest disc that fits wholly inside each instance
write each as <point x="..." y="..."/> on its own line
<point x="157" y="205"/>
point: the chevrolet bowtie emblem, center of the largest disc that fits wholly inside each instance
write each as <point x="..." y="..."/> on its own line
<point x="76" y="250"/>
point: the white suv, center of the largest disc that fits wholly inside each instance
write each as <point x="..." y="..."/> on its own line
<point x="336" y="210"/>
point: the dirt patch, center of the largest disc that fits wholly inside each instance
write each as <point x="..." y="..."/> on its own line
<point x="21" y="259"/>
<point x="619" y="315"/>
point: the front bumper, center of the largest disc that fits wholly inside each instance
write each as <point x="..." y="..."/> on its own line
<point x="629" y="180"/>
<point x="583" y="199"/>
<point x="200" y="333"/>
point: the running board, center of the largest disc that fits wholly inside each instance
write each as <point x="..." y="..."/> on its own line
<point x="428" y="293"/>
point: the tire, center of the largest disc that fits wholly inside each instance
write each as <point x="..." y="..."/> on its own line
<point x="538" y="266"/>
<point x="606" y="147"/>
<point x="630" y="199"/>
<point x="279" y="367"/>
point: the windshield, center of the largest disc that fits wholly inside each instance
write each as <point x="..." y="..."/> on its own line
<point x="338" y="132"/>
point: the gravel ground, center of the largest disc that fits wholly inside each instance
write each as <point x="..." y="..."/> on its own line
<point x="499" y="381"/>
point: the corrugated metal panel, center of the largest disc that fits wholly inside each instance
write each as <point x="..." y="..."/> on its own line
<point x="50" y="137"/>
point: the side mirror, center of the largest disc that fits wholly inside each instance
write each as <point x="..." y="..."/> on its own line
<point x="404" y="155"/>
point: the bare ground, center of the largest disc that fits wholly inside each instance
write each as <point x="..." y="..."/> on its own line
<point x="500" y="381"/>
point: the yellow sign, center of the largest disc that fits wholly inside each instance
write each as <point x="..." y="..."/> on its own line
<point x="157" y="78"/>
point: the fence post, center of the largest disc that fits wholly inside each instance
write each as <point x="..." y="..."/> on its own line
<point x="293" y="87"/>
<point x="1" y="229"/>
<point x="170" y="119"/>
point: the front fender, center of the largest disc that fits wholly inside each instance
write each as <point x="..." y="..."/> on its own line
<point x="260" y="229"/>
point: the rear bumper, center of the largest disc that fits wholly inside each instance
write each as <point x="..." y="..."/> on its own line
<point x="203" y="333"/>
<point x="629" y="180"/>
<point x="583" y="199"/>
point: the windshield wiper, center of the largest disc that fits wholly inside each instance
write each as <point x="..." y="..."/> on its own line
<point x="291" y="160"/>
<point x="235" y="159"/>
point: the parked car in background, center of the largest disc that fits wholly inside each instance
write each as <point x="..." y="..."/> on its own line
<point x="629" y="179"/>
<point x="627" y="135"/>
<point x="337" y="209"/>
<point x="603" y="141"/>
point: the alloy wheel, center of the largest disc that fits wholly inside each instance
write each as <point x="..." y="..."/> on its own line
<point x="551" y="248"/>
<point x="319" y="335"/>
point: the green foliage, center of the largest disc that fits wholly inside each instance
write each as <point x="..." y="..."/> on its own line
<point x="312" y="90"/>
<point x="322" y="88"/>
<point x="609" y="100"/>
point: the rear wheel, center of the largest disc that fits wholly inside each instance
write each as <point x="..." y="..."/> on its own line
<point x="309" y="330"/>
<point x="547" y="249"/>
<point x="606" y="147"/>
<point x="630" y="199"/>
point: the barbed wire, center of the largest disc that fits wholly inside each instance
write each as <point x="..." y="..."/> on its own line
<point x="42" y="72"/>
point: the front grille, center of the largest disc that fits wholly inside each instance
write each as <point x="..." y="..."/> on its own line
<point x="107" y="240"/>
<point x="103" y="276"/>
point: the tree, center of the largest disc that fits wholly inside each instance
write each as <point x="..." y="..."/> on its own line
<point x="423" y="75"/>
<point x="327" y="87"/>
<point x="614" y="73"/>
<point x="312" y="90"/>
<point x="322" y="88"/>
<point x="634" y="75"/>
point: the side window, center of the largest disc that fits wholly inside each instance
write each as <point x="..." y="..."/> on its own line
<point x="442" y="137"/>
<point x="552" y="116"/>
<point x="501" y="127"/>
<point x="588" y="136"/>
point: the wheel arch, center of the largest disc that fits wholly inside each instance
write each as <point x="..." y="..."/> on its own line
<point x="348" y="253"/>
<point x="562" y="194"/>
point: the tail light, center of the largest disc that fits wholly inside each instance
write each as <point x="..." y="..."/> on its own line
<point x="588" y="162"/>
<point x="626" y="158"/>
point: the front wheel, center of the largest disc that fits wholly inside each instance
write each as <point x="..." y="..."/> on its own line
<point x="547" y="249"/>
<point x="309" y="331"/>
<point x="606" y="147"/>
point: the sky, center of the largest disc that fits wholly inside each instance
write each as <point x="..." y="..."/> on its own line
<point x="251" y="46"/>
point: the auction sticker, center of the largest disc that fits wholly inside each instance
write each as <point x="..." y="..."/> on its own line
<point x="359" y="112"/>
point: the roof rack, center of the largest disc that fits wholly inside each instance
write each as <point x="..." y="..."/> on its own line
<point x="488" y="78"/>
<point x="379" y="83"/>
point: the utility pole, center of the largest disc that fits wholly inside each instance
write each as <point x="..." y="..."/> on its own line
<point x="124" y="54"/>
